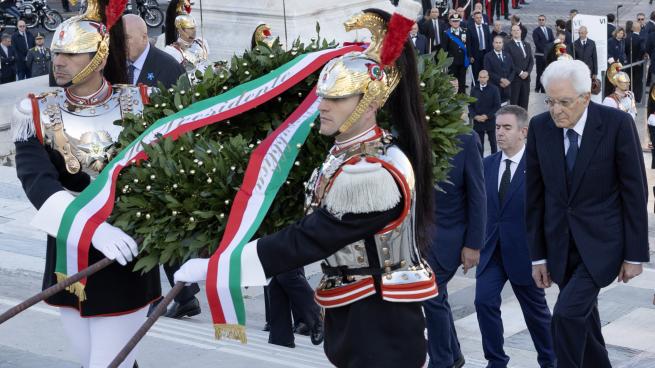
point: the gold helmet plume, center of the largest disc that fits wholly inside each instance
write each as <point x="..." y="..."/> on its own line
<point x="184" y="19"/>
<point x="615" y="75"/>
<point x="87" y="34"/>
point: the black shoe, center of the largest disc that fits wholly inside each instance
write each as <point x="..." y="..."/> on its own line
<point x="267" y="327"/>
<point x="153" y="305"/>
<point x="189" y="309"/>
<point x="459" y="363"/>
<point x="301" y="329"/>
<point x="317" y="335"/>
<point x="290" y="345"/>
<point x="507" y="17"/>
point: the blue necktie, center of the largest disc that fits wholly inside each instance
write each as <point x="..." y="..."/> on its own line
<point x="130" y="74"/>
<point x="572" y="152"/>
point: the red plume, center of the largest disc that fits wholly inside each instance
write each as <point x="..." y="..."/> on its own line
<point x="397" y="31"/>
<point x="114" y="11"/>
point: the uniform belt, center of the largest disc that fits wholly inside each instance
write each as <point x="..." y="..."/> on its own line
<point x="362" y="271"/>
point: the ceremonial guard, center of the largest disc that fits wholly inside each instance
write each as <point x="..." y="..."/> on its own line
<point x="368" y="206"/>
<point x="39" y="57"/>
<point x="63" y="139"/>
<point x="622" y="98"/>
<point x="181" y="41"/>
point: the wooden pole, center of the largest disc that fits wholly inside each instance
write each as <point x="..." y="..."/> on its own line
<point x="54" y="289"/>
<point x="141" y="332"/>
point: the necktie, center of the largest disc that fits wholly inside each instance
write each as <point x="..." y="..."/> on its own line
<point x="130" y="73"/>
<point x="480" y="38"/>
<point x="584" y="43"/>
<point x="505" y="180"/>
<point x="572" y="152"/>
<point x="437" y="38"/>
<point x="520" y="44"/>
<point x="545" y="33"/>
<point x="500" y="56"/>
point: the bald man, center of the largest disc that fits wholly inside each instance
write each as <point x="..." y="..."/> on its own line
<point x="145" y="63"/>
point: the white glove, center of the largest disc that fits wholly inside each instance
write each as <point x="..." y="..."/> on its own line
<point x="193" y="270"/>
<point x="114" y="243"/>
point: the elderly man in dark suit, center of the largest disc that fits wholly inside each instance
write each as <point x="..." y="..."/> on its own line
<point x="505" y="256"/>
<point x="482" y="112"/>
<point x="635" y="52"/>
<point x="480" y="40"/>
<point x="22" y="40"/>
<point x="419" y="41"/>
<point x="432" y="27"/>
<point x="7" y="60"/>
<point x="147" y="64"/>
<point x="523" y="62"/>
<point x="586" y="207"/>
<point x="457" y="237"/>
<point x="542" y="36"/>
<point x="584" y="50"/>
<point x="499" y="64"/>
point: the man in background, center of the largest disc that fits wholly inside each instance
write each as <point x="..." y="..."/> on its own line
<point x="22" y="40"/>
<point x="482" y="112"/>
<point x="541" y="36"/>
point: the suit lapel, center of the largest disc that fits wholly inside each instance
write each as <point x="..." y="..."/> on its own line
<point x="147" y="67"/>
<point x="492" y="183"/>
<point x="517" y="180"/>
<point x="593" y="132"/>
<point x="556" y="157"/>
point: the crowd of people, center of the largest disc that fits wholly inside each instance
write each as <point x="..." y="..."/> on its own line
<point x="522" y="214"/>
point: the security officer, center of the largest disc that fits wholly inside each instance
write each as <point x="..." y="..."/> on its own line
<point x="39" y="57"/>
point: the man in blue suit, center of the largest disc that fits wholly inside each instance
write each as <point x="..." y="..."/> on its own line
<point x="505" y="255"/>
<point x="480" y="37"/>
<point x="499" y="64"/>
<point x="419" y="41"/>
<point x="482" y="112"/>
<point x="586" y="207"/>
<point x="542" y="37"/>
<point x="457" y="237"/>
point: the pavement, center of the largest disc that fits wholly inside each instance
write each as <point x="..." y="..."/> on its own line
<point x="35" y="337"/>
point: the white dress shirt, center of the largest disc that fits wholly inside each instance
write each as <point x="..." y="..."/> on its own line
<point x="138" y="63"/>
<point x="512" y="166"/>
<point x="578" y="128"/>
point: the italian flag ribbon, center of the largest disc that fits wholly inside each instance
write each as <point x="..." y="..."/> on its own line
<point x="94" y="205"/>
<point x="267" y="170"/>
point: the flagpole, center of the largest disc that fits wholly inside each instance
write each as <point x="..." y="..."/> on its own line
<point x="284" y="15"/>
<point x="54" y="289"/>
<point x="141" y="332"/>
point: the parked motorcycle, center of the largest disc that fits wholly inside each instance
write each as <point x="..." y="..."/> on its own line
<point x="148" y="10"/>
<point x="33" y="12"/>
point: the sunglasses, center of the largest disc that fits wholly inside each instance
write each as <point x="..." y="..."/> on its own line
<point x="640" y="19"/>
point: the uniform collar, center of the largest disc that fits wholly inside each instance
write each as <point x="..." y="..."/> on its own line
<point x="96" y="98"/>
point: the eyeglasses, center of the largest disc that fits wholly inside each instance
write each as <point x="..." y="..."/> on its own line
<point x="21" y="26"/>
<point x="640" y="19"/>
<point x="541" y="20"/>
<point x="564" y="102"/>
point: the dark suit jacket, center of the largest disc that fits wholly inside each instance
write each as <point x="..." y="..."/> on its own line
<point x="8" y="63"/>
<point x="634" y="50"/>
<point x="649" y="27"/>
<point x="604" y="210"/>
<point x="506" y="223"/>
<point x="475" y="42"/>
<point x="520" y="62"/>
<point x="487" y="103"/>
<point x="421" y="44"/>
<point x="18" y="43"/>
<point x="461" y="214"/>
<point x="160" y="66"/>
<point x="453" y="50"/>
<point x="616" y="50"/>
<point x="540" y="40"/>
<point x="498" y="70"/>
<point x="426" y="28"/>
<point x="587" y="54"/>
<point x="610" y="29"/>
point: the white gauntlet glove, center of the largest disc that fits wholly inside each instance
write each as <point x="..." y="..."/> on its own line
<point x="193" y="270"/>
<point x="114" y="243"/>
